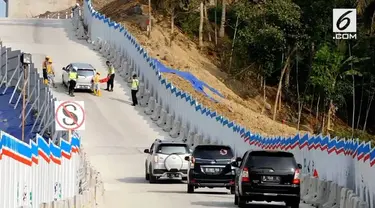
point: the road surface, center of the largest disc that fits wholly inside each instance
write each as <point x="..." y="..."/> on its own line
<point x="116" y="132"/>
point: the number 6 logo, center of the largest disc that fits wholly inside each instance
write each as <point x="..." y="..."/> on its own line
<point x="344" y="20"/>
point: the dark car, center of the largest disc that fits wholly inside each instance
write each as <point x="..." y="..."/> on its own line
<point x="267" y="176"/>
<point x="210" y="166"/>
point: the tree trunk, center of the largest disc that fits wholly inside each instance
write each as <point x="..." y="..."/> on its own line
<point x="208" y="25"/>
<point x="278" y="94"/>
<point x="360" y="104"/>
<point x="223" y="18"/>
<point x="353" y="112"/>
<point x="264" y="95"/>
<point x="330" y="112"/>
<point x="233" y="43"/>
<point x="172" y="29"/>
<point x="369" y="103"/>
<point x="287" y="78"/>
<point x="149" y="19"/>
<point x="280" y="101"/>
<point x="298" y="98"/>
<point x="201" y="25"/>
<point x="216" y="22"/>
<point x="317" y="108"/>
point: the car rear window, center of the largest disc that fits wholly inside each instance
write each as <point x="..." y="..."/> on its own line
<point x="278" y="161"/>
<point x="172" y="149"/>
<point x="213" y="152"/>
<point x="85" y="72"/>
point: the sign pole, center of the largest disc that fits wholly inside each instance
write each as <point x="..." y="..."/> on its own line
<point x="69" y="136"/>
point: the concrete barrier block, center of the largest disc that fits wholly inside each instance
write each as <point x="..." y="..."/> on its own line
<point x="141" y="91"/>
<point x="144" y="102"/>
<point x="350" y="200"/>
<point x="363" y="204"/>
<point x="320" y="198"/>
<point x="343" y="197"/>
<point x="190" y="138"/>
<point x="103" y="47"/>
<point x="332" y="199"/>
<point x="175" y="132"/>
<point x="305" y="180"/>
<point x="168" y="123"/>
<point x="182" y="135"/>
<point x="312" y="193"/>
<point x="157" y="111"/>
<point x="70" y="203"/>
<point x="45" y="205"/>
<point x="198" y="139"/>
<point x="356" y="202"/>
<point x="162" y="121"/>
<point x="151" y="104"/>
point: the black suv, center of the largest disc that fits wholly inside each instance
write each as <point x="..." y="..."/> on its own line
<point x="267" y="176"/>
<point x="210" y="166"/>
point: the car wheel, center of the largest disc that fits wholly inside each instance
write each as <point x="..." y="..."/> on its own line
<point x="235" y="199"/>
<point x="241" y="202"/>
<point x="232" y="190"/>
<point x="293" y="204"/>
<point x="152" y="178"/>
<point x="190" y="188"/>
<point x="147" y="176"/>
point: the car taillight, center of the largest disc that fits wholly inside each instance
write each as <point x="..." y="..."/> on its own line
<point x="156" y="158"/>
<point x="245" y="175"/>
<point x="296" y="179"/>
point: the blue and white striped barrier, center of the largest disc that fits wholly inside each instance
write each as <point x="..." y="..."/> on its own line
<point x="349" y="163"/>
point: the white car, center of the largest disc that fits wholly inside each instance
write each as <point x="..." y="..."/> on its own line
<point x="166" y="160"/>
<point x="85" y="72"/>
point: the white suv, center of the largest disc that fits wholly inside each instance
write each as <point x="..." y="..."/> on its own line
<point x="166" y="160"/>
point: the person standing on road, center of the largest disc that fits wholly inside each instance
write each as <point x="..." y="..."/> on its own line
<point x="44" y="67"/>
<point x="96" y="84"/>
<point x="111" y="75"/>
<point x="73" y="76"/>
<point x="50" y="73"/>
<point x="134" y="90"/>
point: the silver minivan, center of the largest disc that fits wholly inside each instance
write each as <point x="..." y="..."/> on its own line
<point x="85" y="72"/>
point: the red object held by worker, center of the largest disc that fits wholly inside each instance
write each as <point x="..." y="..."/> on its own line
<point x="104" y="80"/>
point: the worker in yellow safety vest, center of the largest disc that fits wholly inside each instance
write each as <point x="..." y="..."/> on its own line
<point x="50" y="73"/>
<point x="134" y="90"/>
<point x="44" y="67"/>
<point x="111" y="76"/>
<point x="73" y="76"/>
<point x="96" y="84"/>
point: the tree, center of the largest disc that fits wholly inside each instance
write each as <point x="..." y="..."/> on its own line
<point x="171" y="6"/>
<point x="223" y="18"/>
<point x="201" y="22"/>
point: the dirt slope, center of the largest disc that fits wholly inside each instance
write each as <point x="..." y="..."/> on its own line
<point x="185" y="56"/>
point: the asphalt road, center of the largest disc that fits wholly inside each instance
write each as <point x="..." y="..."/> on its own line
<point x="116" y="132"/>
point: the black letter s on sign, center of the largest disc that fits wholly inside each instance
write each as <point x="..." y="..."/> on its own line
<point x="71" y="116"/>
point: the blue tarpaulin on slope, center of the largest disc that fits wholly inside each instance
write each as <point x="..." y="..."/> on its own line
<point x="197" y="84"/>
<point x="9" y="117"/>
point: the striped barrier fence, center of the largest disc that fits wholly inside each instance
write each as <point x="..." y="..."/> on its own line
<point x="345" y="162"/>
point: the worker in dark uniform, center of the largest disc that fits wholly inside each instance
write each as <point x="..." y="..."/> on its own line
<point x="73" y="76"/>
<point x="134" y="90"/>
<point x="111" y="75"/>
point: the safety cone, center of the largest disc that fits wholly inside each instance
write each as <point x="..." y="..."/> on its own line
<point x="315" y="174"/>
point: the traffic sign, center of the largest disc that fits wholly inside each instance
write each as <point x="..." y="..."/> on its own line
<point x="69" y="115"/>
